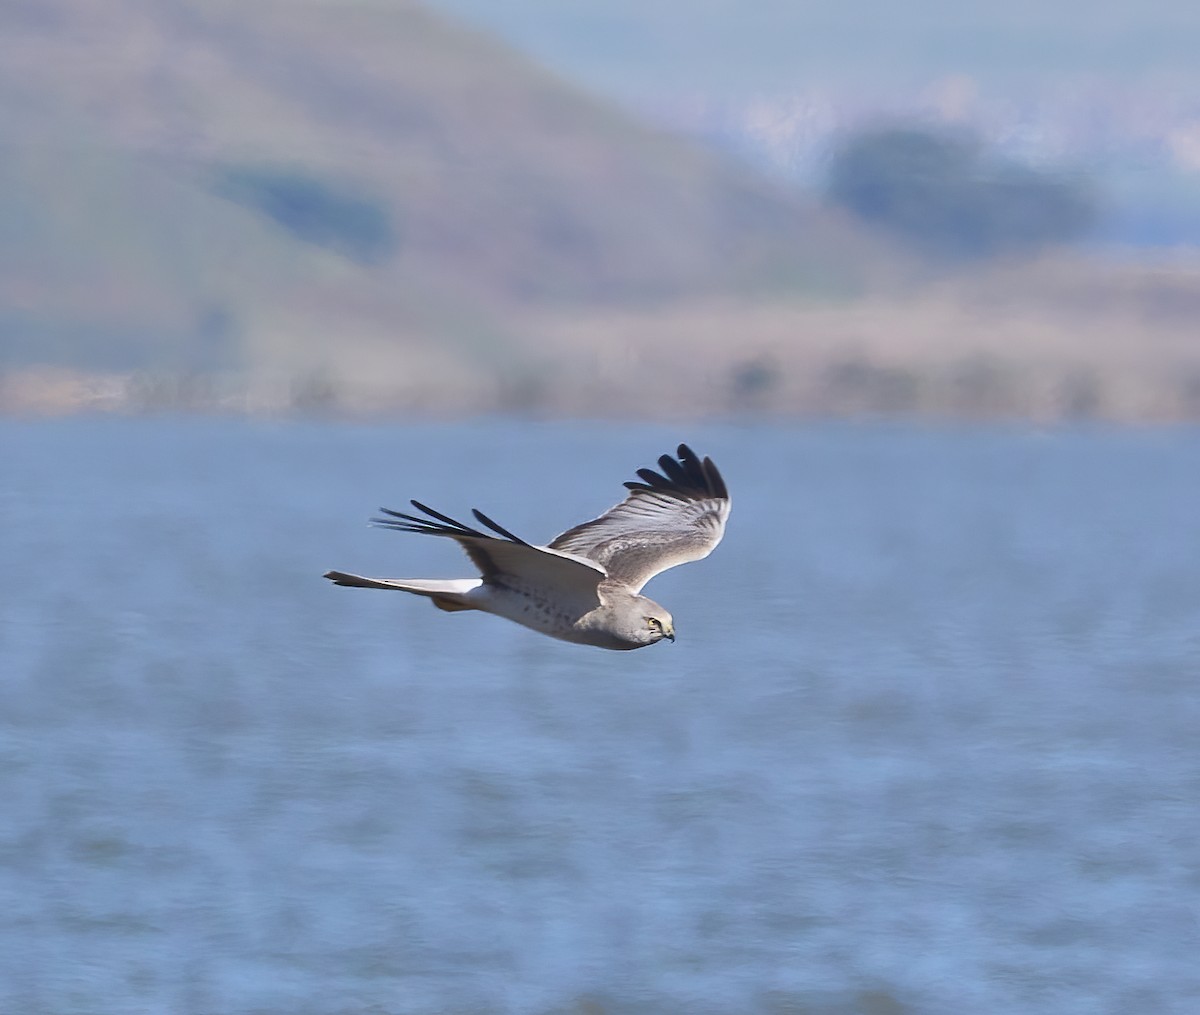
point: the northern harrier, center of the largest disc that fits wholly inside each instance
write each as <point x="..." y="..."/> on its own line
<point x="585" y="585"/>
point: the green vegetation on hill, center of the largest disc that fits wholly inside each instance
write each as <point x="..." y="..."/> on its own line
<point x="940" y="193"/>
<point x="315" y="211"/>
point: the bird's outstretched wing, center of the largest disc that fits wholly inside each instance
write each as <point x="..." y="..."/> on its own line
<point x="667" y="519"/>
<point x="505" y="559"/>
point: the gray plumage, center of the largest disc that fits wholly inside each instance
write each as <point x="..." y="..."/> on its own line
<point x="584" y="586"/>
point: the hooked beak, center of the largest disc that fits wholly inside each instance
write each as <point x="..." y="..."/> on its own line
<point x="669" y="632"/>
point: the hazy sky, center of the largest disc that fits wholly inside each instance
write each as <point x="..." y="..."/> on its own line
<point x="732" y="47"/>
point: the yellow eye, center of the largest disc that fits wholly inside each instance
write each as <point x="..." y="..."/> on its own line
<point x="654" y="623"/>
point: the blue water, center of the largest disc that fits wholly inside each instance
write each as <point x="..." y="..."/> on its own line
<point x="929" y="741"/>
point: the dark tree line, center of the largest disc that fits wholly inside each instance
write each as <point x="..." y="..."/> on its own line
<point x="314" y="210"/>
<point x="943" y="194"/>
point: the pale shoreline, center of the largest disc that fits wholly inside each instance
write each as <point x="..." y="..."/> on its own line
<point x="1058" y="340"/>
<point x="962" y="392"/>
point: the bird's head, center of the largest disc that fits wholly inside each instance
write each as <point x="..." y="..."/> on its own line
<point x="627" y="621"/>
<point x="652" y="623"/>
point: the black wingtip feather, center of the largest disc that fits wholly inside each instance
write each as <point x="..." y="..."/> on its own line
<point x="654" y="479"/>
<point x="444" y="525"/>
<point x="716" y="481"/>
<point x="408" y="518"/>
<point x="495" y="527"/>
<point x="688" y="473"/>
<point x="674" y="470"/>
<point x="440" y="525"/>
<point x="445" y="519"/>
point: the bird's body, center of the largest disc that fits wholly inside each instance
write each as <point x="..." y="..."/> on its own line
<point x="585" y="585"/>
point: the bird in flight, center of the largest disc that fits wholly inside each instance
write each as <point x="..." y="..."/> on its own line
<point x="585" y="585"/>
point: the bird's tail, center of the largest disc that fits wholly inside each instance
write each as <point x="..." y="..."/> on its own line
<point x="447" y="593"/>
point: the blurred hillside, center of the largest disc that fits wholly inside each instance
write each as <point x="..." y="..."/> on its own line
<point x="363" y="207"/>
<point x="345" y="189"/>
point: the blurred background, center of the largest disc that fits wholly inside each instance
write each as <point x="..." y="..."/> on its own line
<point x="917" y="277"/>
<point x="373" y="206"/>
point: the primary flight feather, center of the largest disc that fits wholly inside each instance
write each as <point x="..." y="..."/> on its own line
<point x="585" y="585"/>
